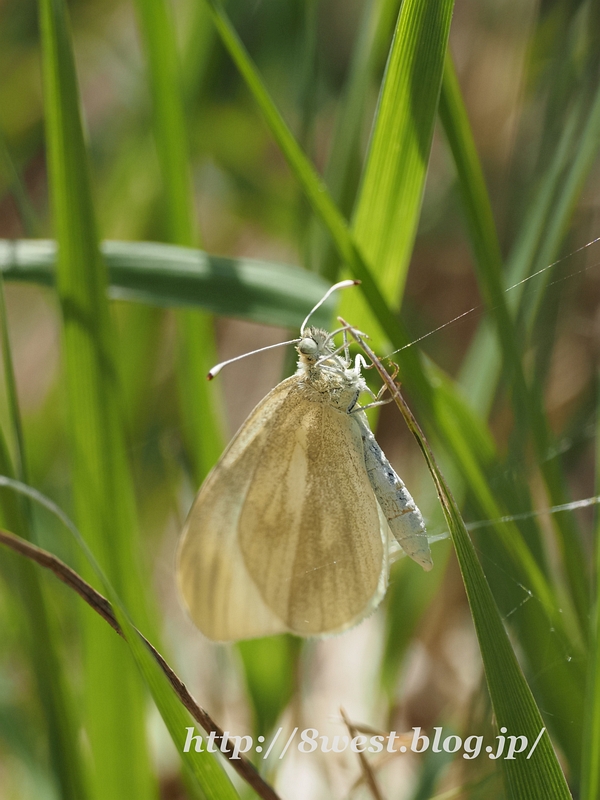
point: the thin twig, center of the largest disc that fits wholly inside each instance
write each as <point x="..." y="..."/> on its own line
<point x="102" y="607"/>
<point x="366" y="768"/>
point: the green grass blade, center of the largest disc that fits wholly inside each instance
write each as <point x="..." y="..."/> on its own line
<point x="201" y="422"/>
<point x="202" y="764"/>
<point x="170" y="276"/>
<point x="389" y="202"/>
<point x="29" y="604"/>
<point x="530" y="418"/>
<point x="542" y="231"/>
<point x="102" y="488"/>
<point x="476" y="202"/>
<point x="165" y="84"/>
<point x="537" y="245"/>
<point x="65" y="753"/>
<point x="513" y="703"/>
<point x="576" y="168"/>
<point x="14" y="413"/>
<point x="471" y="445"/>
<point x="313" y="186"/>
<point x="539" y="776"/>
<point x="590" y="772"/>
<point x="390" y="197"/>
<point x="469" y="453"/>
<point x="342" y="172"/>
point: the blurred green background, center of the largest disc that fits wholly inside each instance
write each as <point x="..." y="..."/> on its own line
<point x="179" y="153"/>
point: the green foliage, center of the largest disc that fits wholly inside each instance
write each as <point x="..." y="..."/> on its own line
<point x="184" y="194"/>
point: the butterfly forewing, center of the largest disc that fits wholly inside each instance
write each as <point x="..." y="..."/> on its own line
<point x="309" y="528"/>
<point x="211" y="573"/>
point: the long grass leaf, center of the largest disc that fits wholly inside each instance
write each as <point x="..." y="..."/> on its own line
<point x="590" y="768"/>
<point x="389" y="201"/>
<point x="201" y="422"/>
<point x="29" y="604"/>
<point x="201" y="763"/>
<point x="170" y="276"/>
<point x="342" y="172"/>
<point x="57" y="703"/>
<point x="538" y="776"/>
<point x="305" y="173"/>
<point x="536" y="246"/>
<point x="102" y="489"/>
<point x="530" y="418"/>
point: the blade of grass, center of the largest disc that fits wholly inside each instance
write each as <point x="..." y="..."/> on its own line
<point x="530" y="418"/>
<point x="343" y="165"/>
<point x="305" y="173"/>
<point x="563" y="647"/>
<point x="467" y="453"/>
<point x="201" y="421"/>
<point x="590" y="767"/>
<point x="538" y="776"/>
<point x="389" y="200"/>
<point x="102" y="489"/>
<point x="537" y="244"/>
<point x="195" y="60"/>
<point x="167" y="275"/>
<point x="540" y="235"/>
<point x="161" y="679"/>
<point x="28" y="602"/>
<point x="65" y="754"/>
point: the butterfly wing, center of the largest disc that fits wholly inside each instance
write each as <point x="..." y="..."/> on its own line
<point x="285" y="534"/>
<point x="309" y="529"/>
<point x="211" y="575"/>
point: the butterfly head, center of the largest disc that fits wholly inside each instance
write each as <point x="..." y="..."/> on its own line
<point x="314" y="345"/>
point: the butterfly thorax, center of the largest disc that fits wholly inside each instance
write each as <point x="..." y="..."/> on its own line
<point x="326" y="376"/>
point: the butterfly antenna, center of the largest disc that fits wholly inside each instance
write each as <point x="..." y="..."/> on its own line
<point x="334" y="288"/>
<point x="218" y="367"/>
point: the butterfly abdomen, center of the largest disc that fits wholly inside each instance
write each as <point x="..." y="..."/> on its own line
<point x="397" y="504"/>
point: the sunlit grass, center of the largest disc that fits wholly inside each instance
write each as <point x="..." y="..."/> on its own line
<point x="226" y="154"/>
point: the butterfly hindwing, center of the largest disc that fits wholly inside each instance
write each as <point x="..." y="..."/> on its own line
<point x="309" y="529"/>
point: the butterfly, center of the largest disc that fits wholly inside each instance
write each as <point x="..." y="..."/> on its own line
<point x="293" y="529"/>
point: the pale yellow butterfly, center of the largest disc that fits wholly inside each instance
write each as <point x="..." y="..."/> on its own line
<point x="293" y="529"/>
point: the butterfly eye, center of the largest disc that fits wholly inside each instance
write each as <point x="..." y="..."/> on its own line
<point x="308" y="347"/>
